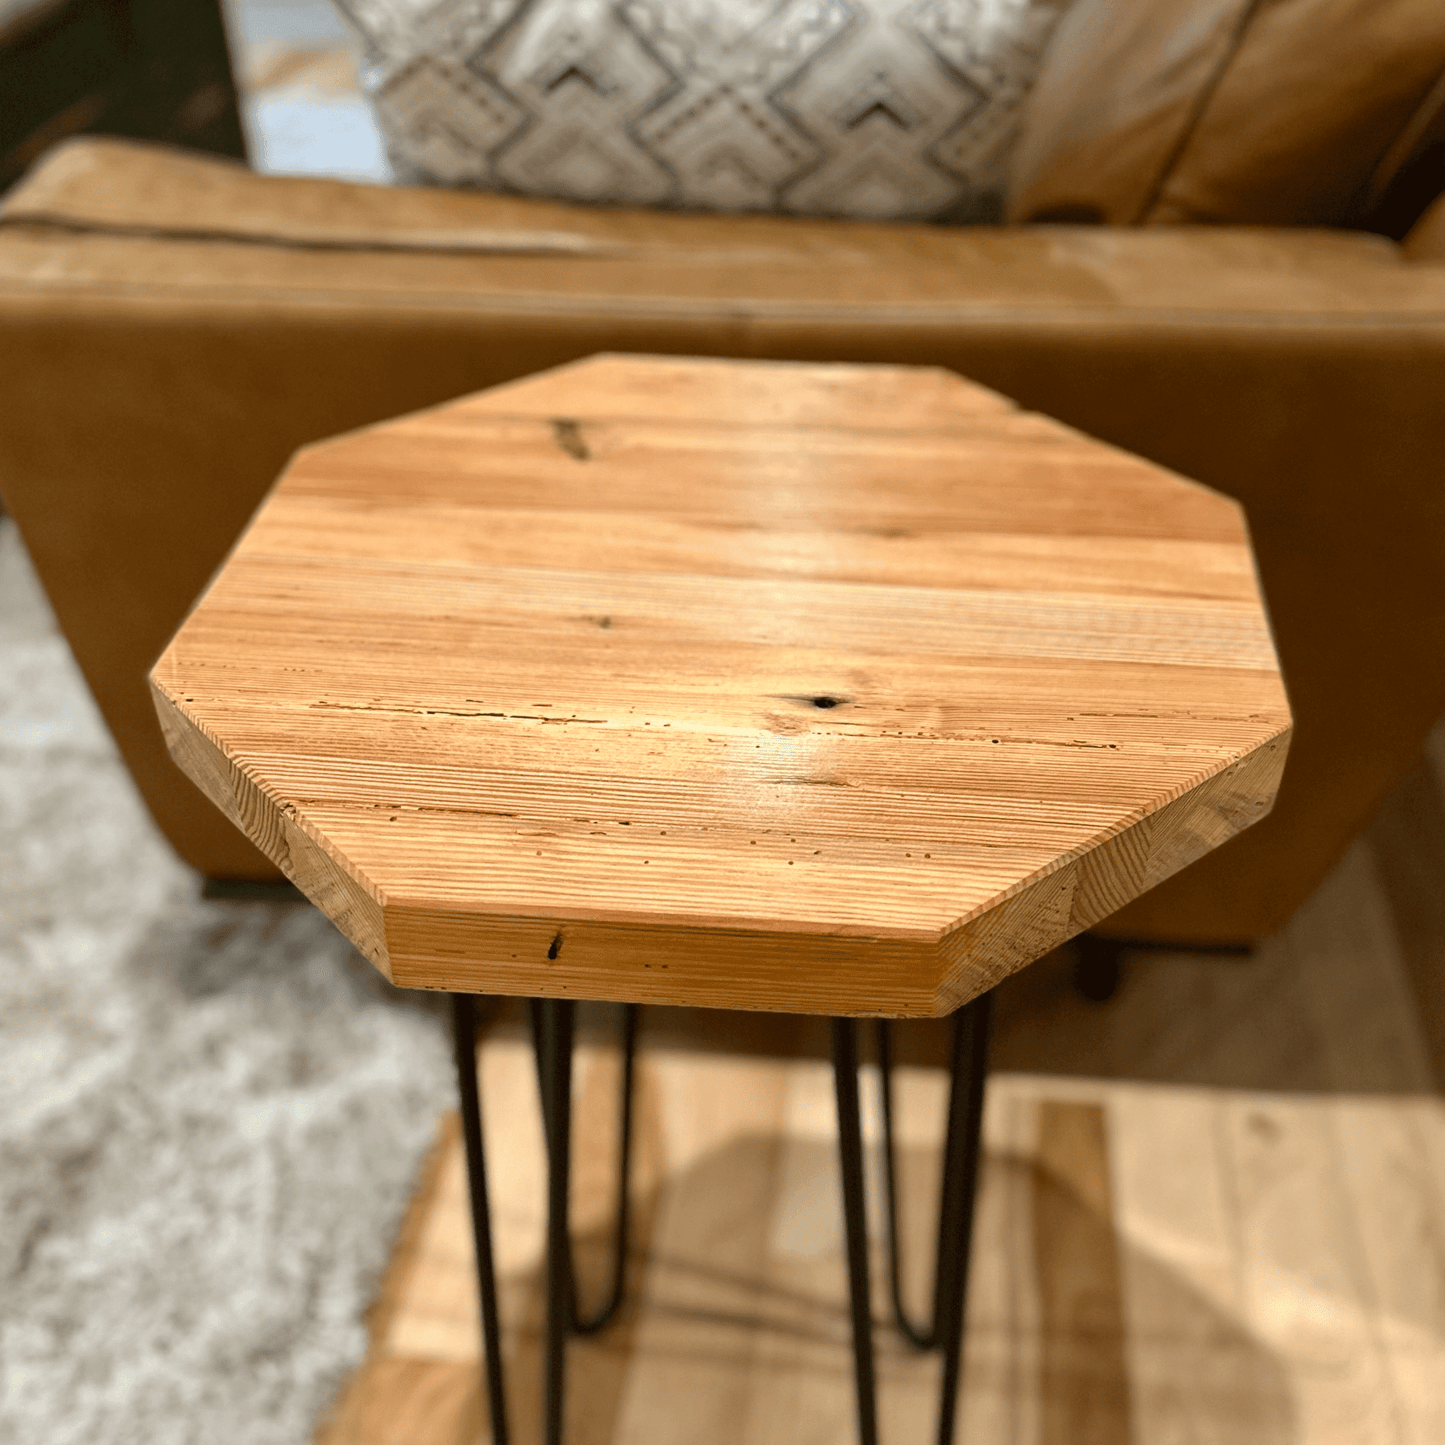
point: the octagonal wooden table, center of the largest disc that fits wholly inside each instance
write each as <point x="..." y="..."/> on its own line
<point x="830" y="689"/>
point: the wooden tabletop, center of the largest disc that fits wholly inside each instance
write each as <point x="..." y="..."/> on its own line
<point x="831" y="689"/>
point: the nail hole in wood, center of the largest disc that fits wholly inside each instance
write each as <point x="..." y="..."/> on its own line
<point x="568" y="435"/>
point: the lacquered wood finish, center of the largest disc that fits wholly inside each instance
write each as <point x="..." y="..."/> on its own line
<point x="829" y="689"/>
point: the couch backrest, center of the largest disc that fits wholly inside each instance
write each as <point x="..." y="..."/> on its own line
<point x="1256" y="112"/>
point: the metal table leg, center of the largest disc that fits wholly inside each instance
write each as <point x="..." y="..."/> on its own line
<point x="960" y="1190"/>
<point x="553" y="1032"/>
<point x="603" y="1315"/>
<point x="464" y="1040"/>
<point x="855" y="1222"/>
<point x="944" y="1331"/>
<point x="556" y="1020"/>
<point x="553" y="1023"/>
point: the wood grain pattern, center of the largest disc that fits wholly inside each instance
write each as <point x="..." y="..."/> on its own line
<point x="837" y="689"/>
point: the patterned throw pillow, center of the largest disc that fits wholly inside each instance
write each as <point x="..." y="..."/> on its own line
<point x="867" y="108"/>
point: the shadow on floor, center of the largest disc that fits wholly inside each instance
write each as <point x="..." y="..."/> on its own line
<point x="722" y="1327"/>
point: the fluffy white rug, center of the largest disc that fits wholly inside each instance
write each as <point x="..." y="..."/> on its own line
<point x="210" y="1113"/>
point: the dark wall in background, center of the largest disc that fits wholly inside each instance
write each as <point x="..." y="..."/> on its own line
<point x="152" y="69"/>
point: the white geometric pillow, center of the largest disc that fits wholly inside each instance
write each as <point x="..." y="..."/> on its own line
<point x="902" y="109"/>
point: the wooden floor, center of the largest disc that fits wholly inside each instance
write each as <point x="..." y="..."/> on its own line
<point x="1212" y="1210"/>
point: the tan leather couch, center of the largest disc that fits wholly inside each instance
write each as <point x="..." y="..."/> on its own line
<point x="171" y="328"/>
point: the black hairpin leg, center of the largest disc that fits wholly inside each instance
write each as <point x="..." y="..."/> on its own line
<point x="464" y="1039"/>
<point x="921" y="1337"/>
<point x="960" y="1190"/>
<point x="554" y="1020"/>
<point x="602" y="1317"/>
<point x="590" y="1324"/>
<point x="855" y="1221"/>
<point x="553" y="1026"/>
<point x="956" y="1205"/>
<point x="966" y="1075"/>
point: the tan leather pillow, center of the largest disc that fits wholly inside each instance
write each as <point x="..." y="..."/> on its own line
<point x="1255" y="112"/>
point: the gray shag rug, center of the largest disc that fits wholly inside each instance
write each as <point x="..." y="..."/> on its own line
<point x="211" y="1113"/>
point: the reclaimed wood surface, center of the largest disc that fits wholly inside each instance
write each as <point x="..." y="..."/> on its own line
<point x="828" y="689"/>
